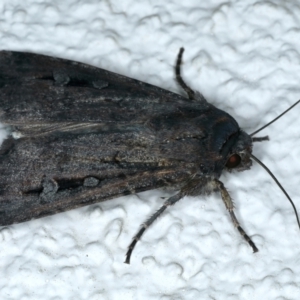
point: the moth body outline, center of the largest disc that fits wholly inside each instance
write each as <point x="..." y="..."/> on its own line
<point x="88" y="135"/>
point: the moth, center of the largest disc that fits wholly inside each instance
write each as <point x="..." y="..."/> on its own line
<point x="81" y="135"/>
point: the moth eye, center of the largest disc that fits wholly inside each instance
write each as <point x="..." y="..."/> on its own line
<point x="233" y="161"/>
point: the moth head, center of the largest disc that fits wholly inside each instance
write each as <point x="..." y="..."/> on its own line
<point x="238" y="157"/>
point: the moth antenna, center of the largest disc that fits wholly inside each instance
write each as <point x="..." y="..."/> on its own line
<point x="179" y="79"/>
<point x="255" y="132"/>
<point x="281" y="187"/>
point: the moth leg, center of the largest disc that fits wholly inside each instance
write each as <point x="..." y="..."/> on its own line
<point x="229" y="205"/>
<point x="172" y="200"/>
<point x="188" y="90"/>
<point x="191" y="94"/>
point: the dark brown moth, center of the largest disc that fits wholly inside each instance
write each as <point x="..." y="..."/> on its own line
<point x="87" y="135"/>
